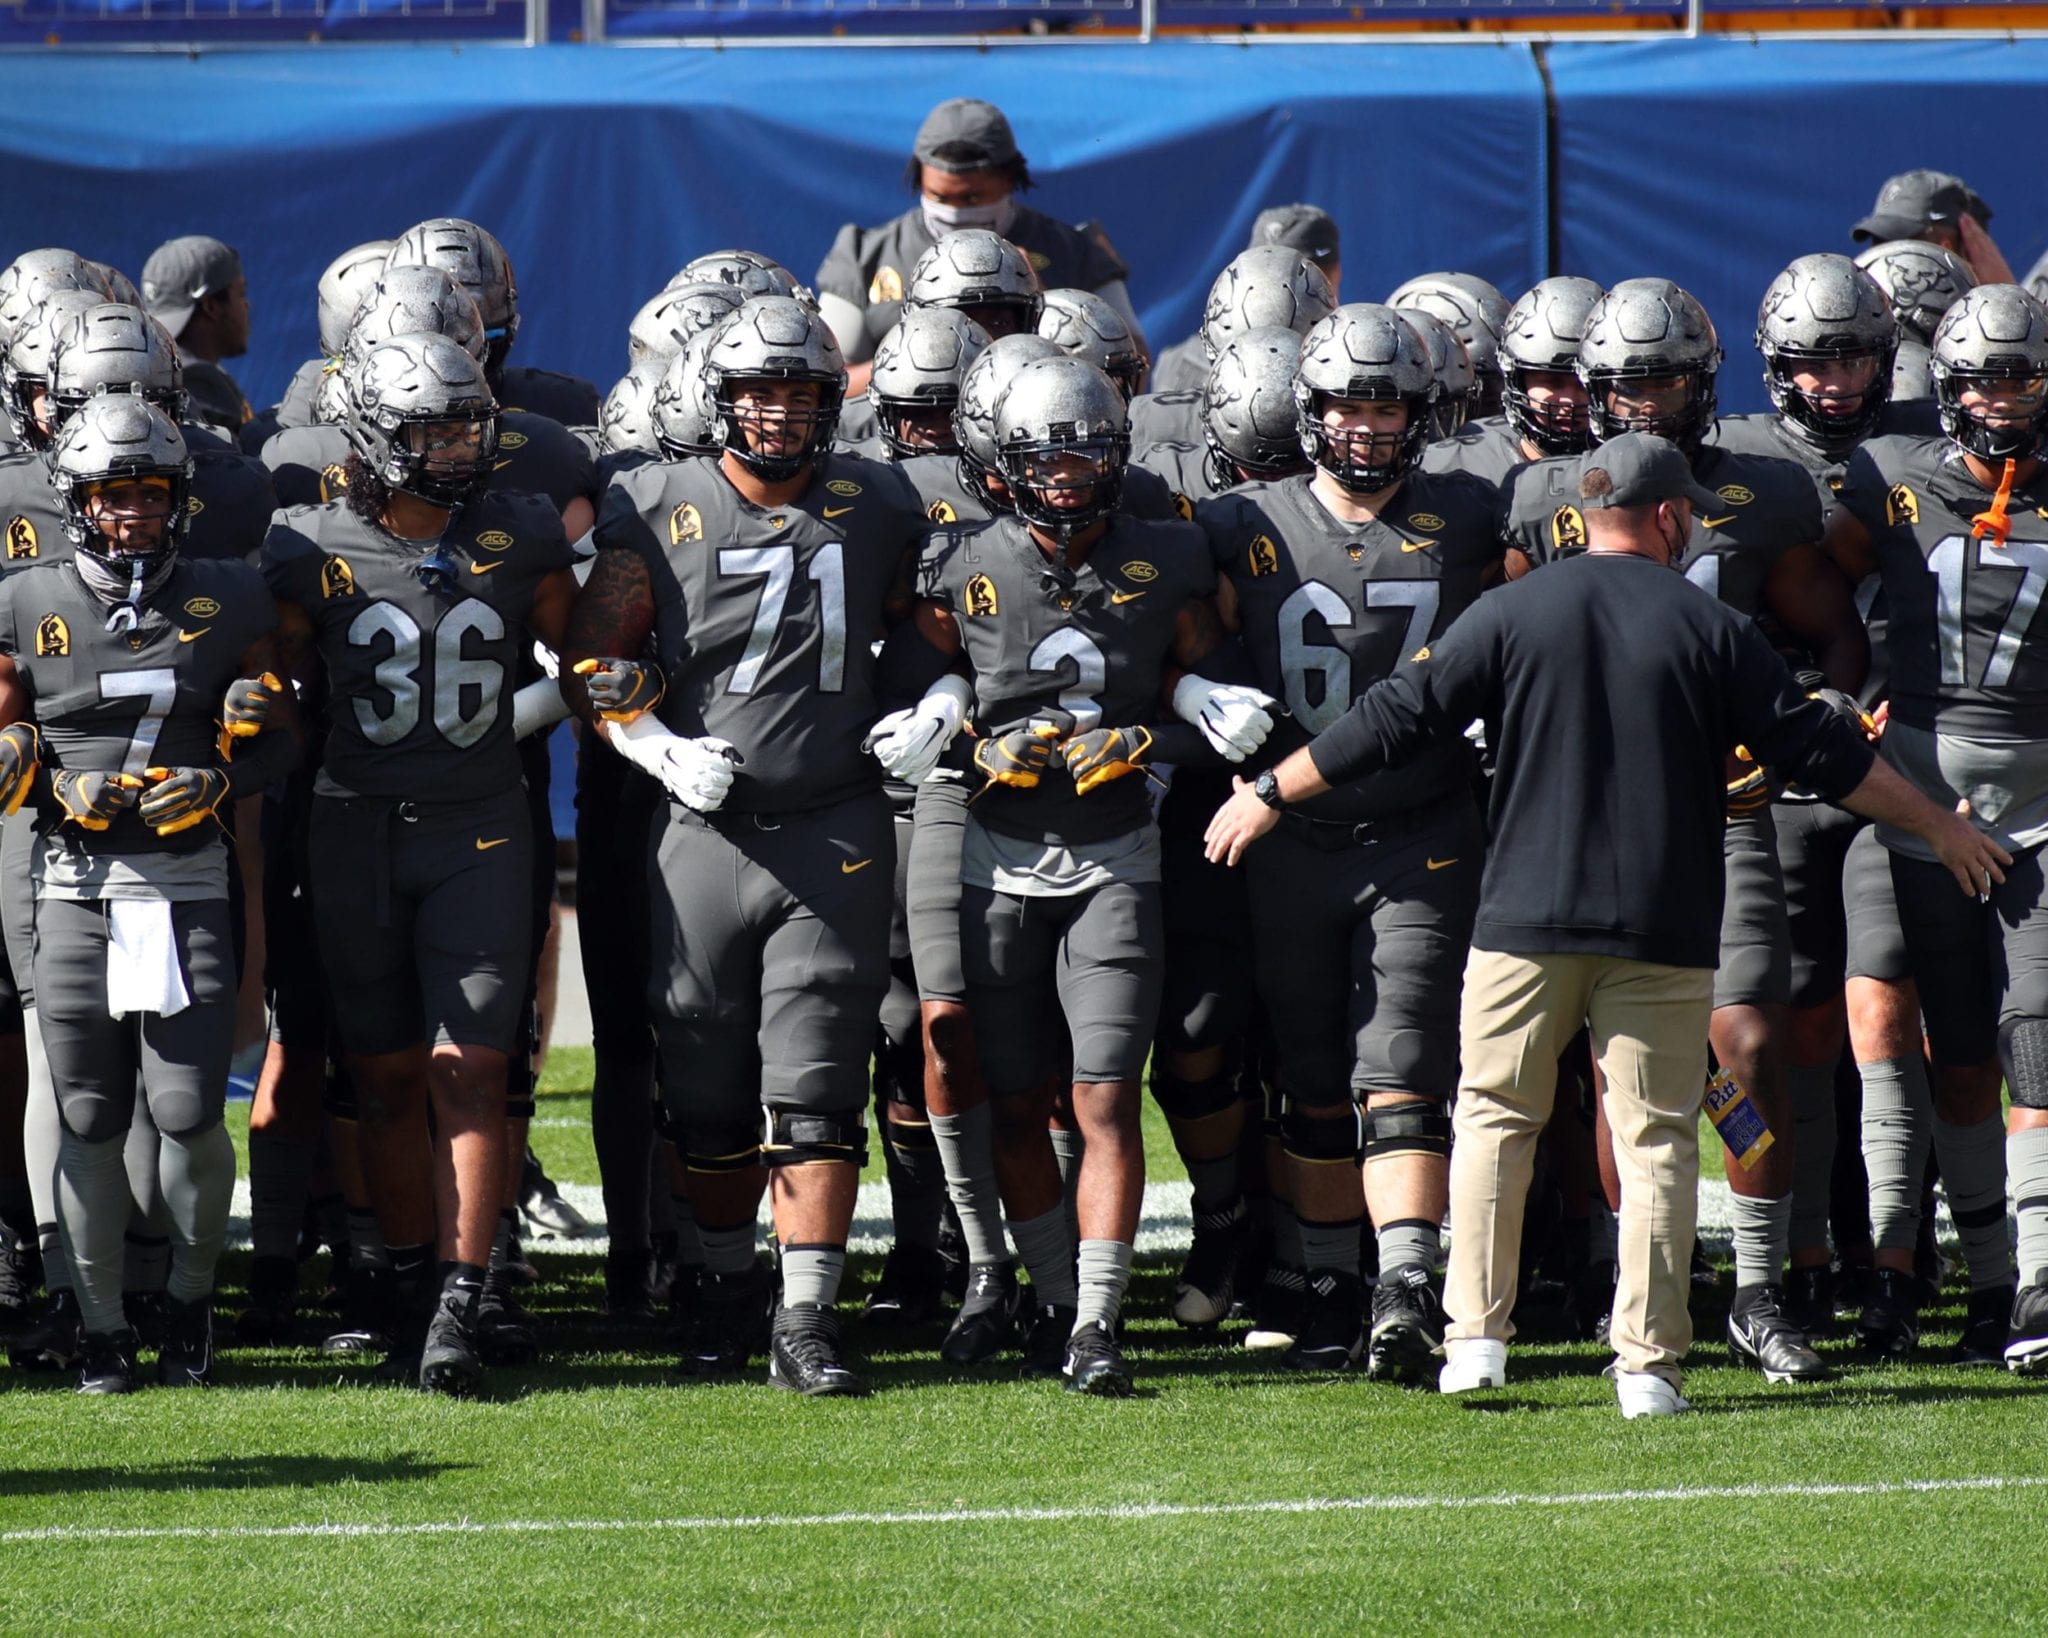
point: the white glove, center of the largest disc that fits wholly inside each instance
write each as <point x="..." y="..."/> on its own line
<point x="908" y="744"/>
<point x="697" y="772"/>
<point x="544" y="657"/>
<point x="1234" y="720"/>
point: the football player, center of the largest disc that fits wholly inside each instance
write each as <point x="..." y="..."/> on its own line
<point x="344" y="283"/>
<point x="1184" y="366"/>
<point x="1543" y="401"/>
<point x="1477" y="313"/>
<point x="1923" y="282"/>
<point x="1248" y="425"/>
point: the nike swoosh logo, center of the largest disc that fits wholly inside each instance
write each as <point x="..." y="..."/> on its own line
<point x="1416" y="545"/>
<point x="499" y="466"/>
<point x="483" y="846"/>
<point x="1715" y="523"/>
<point x="484" y="568"/>
<point x="1125" y="597"/>
<point x="1439" y="864"/>
<point x="837" y="511"/>
<point x="846" y="869"/>
<point x="193" y="636"/>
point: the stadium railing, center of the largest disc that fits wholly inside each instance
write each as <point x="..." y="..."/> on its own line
<point x="225" y="23"/>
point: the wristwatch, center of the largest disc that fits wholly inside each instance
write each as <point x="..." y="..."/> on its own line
<point x="1267" y="789"/>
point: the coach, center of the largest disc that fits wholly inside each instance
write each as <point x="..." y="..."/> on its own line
<point x="1612" y="692"/>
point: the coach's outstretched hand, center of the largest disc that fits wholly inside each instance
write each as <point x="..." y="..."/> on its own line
<point x="1238" y="823"/>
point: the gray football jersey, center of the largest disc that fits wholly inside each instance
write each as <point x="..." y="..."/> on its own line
<point x="111" y="702"/>
<point x="294" y="409"/>
<point x="1166" y="418"/>
<point x="1487" y="449"/>
<point x="536" y="456"/>
<point x="1327" y="609"/>
<point x="1183" y="367"/>
<point x="1769" y="434"/>
<point x="419" y="682"/>
<point x="765" y="620"/>
<point x="230" y="507"/>
<point x="1186" y="470"/>
<point x="1092" y="643"/>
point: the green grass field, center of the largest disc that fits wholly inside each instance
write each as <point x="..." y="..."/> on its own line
<point x="596" y="1492"/>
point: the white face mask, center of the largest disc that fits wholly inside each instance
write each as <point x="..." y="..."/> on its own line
<point x="942" y="219"/>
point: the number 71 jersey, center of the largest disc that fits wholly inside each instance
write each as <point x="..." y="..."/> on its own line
<point x="419" y="680"/>
<point x="1967" y="647"/>
<point x="765" y="618"/>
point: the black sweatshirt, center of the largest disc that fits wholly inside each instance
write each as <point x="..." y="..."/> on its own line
<point x="1612" y="691"/>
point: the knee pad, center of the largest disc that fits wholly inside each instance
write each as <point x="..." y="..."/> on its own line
<point x="799" y="1136"/>
<point x="2023" y="1051"/>
<point x="1193" y="1100"/>
<point x="1407" y="1128"/>
<point x="185" y="1113"/>
<point x="720" y="1148"/>
<point x="95" y="1119"/>
<point x="1325" y="1139"/>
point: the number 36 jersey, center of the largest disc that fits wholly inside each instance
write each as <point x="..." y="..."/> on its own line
<point x="419" y="679"/>
<point x="1967" y="643"/>
<point x="765" y="619"/>
<point x="1329" y="608"/>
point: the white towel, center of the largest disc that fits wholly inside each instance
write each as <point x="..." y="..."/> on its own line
<point x="142" y="959"/>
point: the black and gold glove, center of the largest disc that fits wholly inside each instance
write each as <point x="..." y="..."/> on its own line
<point x="621" y="690"/>
<point x="21" y="753"/>
<point x="1017" y="758"/>
<point x="180" y="798"/>
<point x="1749" y="792"/>
<point x="92" y="801"/>
<point x="1103" y="754"/>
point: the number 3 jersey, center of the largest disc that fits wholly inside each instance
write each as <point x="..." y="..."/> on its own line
<point x="766" y="618"/>
<point x="1329" y="608"/>
<point x="120" y="702"/>
<point x="419" y="678"/>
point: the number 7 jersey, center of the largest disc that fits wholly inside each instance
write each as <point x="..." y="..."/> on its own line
<point x="766" y="618"/>
<point x="1968" y="651"/>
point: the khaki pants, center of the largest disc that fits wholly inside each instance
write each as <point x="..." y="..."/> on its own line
<point x="1649" y="1029"/>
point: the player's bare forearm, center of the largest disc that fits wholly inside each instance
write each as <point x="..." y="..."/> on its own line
<point x="610" y="619"/>
<point x="936" y="624"/>
<point x="14" y="700"/>
<point x="1813" y="600"/>
<point x="266" y="656"/>
<point x="553" y="598"/>
<point x="1197" y="634"/>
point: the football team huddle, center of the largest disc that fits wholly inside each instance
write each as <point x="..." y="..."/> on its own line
<point x="912" y="646"/>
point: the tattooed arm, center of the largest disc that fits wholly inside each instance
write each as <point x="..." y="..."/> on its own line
<point x="611" y="619"/>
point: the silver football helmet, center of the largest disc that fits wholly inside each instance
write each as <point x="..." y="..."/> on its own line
<point x="36" y="275"/>
<point x="775" y="339"/>
<point x="974" y="417"/>
<point x="25" y="366"/>
<point x="1643" y="332"/>
<point x="1248" y="415"/>
<point x="1541" y="338"/>
<point x="474" y="259"/>
<point x="919" y="366"/>
<point x="682" y="414"/>
<point x="114" y="438"/>
<point x="1063" y="439"/>
<point x="751" y="273"/>
<point x="1456" y="380"/>
<point x="625" y="421"/>
<point x="413" y="301"/>
<point x="1477" y="311"/>
<point x="1923" y="282"/>
<point x="1083" y="325"/>
<point x="984" y="276"/>
<point x="422" y="418"/>
<point x="348" y="279"/>
<point x="1364" y="352"/>
<point x="1263" y="286"/>
<point x="1825" y="311"/>
<point x="115" y="348"/>
<point x="664" y="325"/>
<point x="1993" y="346"/>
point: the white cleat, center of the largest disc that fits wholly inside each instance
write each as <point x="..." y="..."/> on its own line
<point x="1644" y="1393"/>
<point x="1473" y="1362"/>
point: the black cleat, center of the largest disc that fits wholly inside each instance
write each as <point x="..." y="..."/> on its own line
<point x="1984" y="1325"/>
<point x="54" y="1342"/>
<point x="1277" y="1314"/>
<point x="544" y="1206"/>
<point x="987" y="1320"/>
<point x="2026" y="1336"/>
<point x="408" y="1310"/>
<point x="365" y="1301"/>
<point x="145" y="1312"/>
<point x="107" y="1362"/>
<point x="1889" y="1326"/>
<point x="506" y="1334"/>
<point x="729" y="1324"/>
<point x="803" y="1353"/>
<point x="1407" y="1326"/>
<point x="1760" y="1332"/>
<point x="1332" y="1336"/>
<point x="450" y="1362"/>
<point x="185" y="1358"/>
<point x="1208" y="1279"/>
<point x="1045" y="1350"/>
<point x="911" y="1287"/>
<point x="1096" y="1365"/>
<point x="271" y="1315"/>
<point x="1810" y="1300"/>
<point x="19" y="1277"/>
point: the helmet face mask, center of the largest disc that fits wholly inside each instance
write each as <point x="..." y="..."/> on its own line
<point x="423" y="419"/>
<point x="974" y="416"/>
<point x="977" y="273"/>
<point x="1990" y="368"/>
<point x="1648" y="362"/>
<point x="25" y="366"/>
<point x="1544" y="399"/>
<point x="777" y="381"/>
<point x="1064" y="439"/>
<point x="915" y="387"/>
<point x="1355" y="365"/>
<point x="1828" y="339"/>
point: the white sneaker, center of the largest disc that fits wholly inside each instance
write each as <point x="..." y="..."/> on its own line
<point x="1644" y="1393"/>
<point x="1473" y="1362"/>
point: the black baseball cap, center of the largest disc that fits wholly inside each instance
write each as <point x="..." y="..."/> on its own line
<point x="1914" y="201"/>
<point x="1305" y="228"/>
<point x="965" y="134"/>
<point x="1638" y="469"/>
<point x="181" y="273"/>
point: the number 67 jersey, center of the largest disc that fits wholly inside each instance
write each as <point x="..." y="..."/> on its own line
<point x="765" y="618"/>
<point x="419" y="678"/>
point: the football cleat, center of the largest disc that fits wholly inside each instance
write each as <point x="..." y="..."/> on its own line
<point x="1208" y="1279"/>
<point x="1407" y="1326"/>
<point x="1045" y="1349"/>
<point x="1277" y="1314"/>
<point x="1760" y="1332"/>
<point x="629" y="1286"/>
<point x="544" y="1206"/>
<point x="729" y="1325"/>
<point x="1332" y="1336"/>
<point x="365" y="1300"/>
<point x="804" y="1356"/>
<point x="1984" y="1324"/>
<point x="271" y="1314"/>
<point x="409" y="1307"/>
<point x="1810" y="1300"/>
<point x="107" y="1362"/>
<point x="1645" y="1393"/>
<point x="1096" y="1365"/>
<point x="145" y="1312"/>
<point x="910" y="1289"/>
<point x="1889" y="1326"/>
<point x="1473" y="1362"/>
<point x="2026" y="1337"/>
<point x="18" y="1281"/>
<point x="953" y="1254"/>
<point x="987" y="1320"/>
<point x="506" y="1334"/>
<point x="185" y="1358"/>
<point x="54" y="1342"/>
<point x="450" y="1362"/>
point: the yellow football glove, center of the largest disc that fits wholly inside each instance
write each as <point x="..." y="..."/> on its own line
<point x="21" y="753"/>
<point x="621" y="690"/>
<point x="180" y="798"/>
<point x="1103" y="754"/>
<point x="92" y="801"/>
<point x="1017" y="758"/>
<point x="1749" y="792"/>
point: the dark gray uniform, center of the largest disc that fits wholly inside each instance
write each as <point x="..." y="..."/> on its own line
<point x="1363" y="899"/>
<point x="420" y="838"/>
<point x="1166" y="418"/>
<point x="1183" y="367"/>
<point x="871" y="267"/>
<point x="295" y="409"/>
<point x="536" y="456"/>
<point x="1060" y="904"/>
<point x="215" y="397"/>
<point x="770" y="931"/>
<point x="230" y="505"/>
<point x="944" y="498"/>
<point x="1487" y="449"/>
<point x="566" y="399"/>
<point x="1771" y="506"/>
<point x="1186" y="469"/>
<point x="109" y="702"/>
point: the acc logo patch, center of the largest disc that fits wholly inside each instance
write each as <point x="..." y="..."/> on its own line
<point x="1039" y="259"/>
<point x="202" y="608"/>
<point x="685" y="523"/>
<point x="53" y="637"/>
<point x="194" y="506"/>
<point x="981" y="596"/>
<point x="333" y="481"/>
<point x="1427" y="522"/>
<point x="337" y="579"/>
<point x="1264" y="556"/>
<point x="1735" y="495"/>
<point x="494" y="540"/>
<point x="886" y="285"/>
<point x="1138" y="570"/>
<point x="843" y="486"/>
<point x="1567" y="529"/>
<point x="511" y="440"/>
<point x="1901" y="505"/>
<point x="941" y="511"/>
<point x="21" y="539"/>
